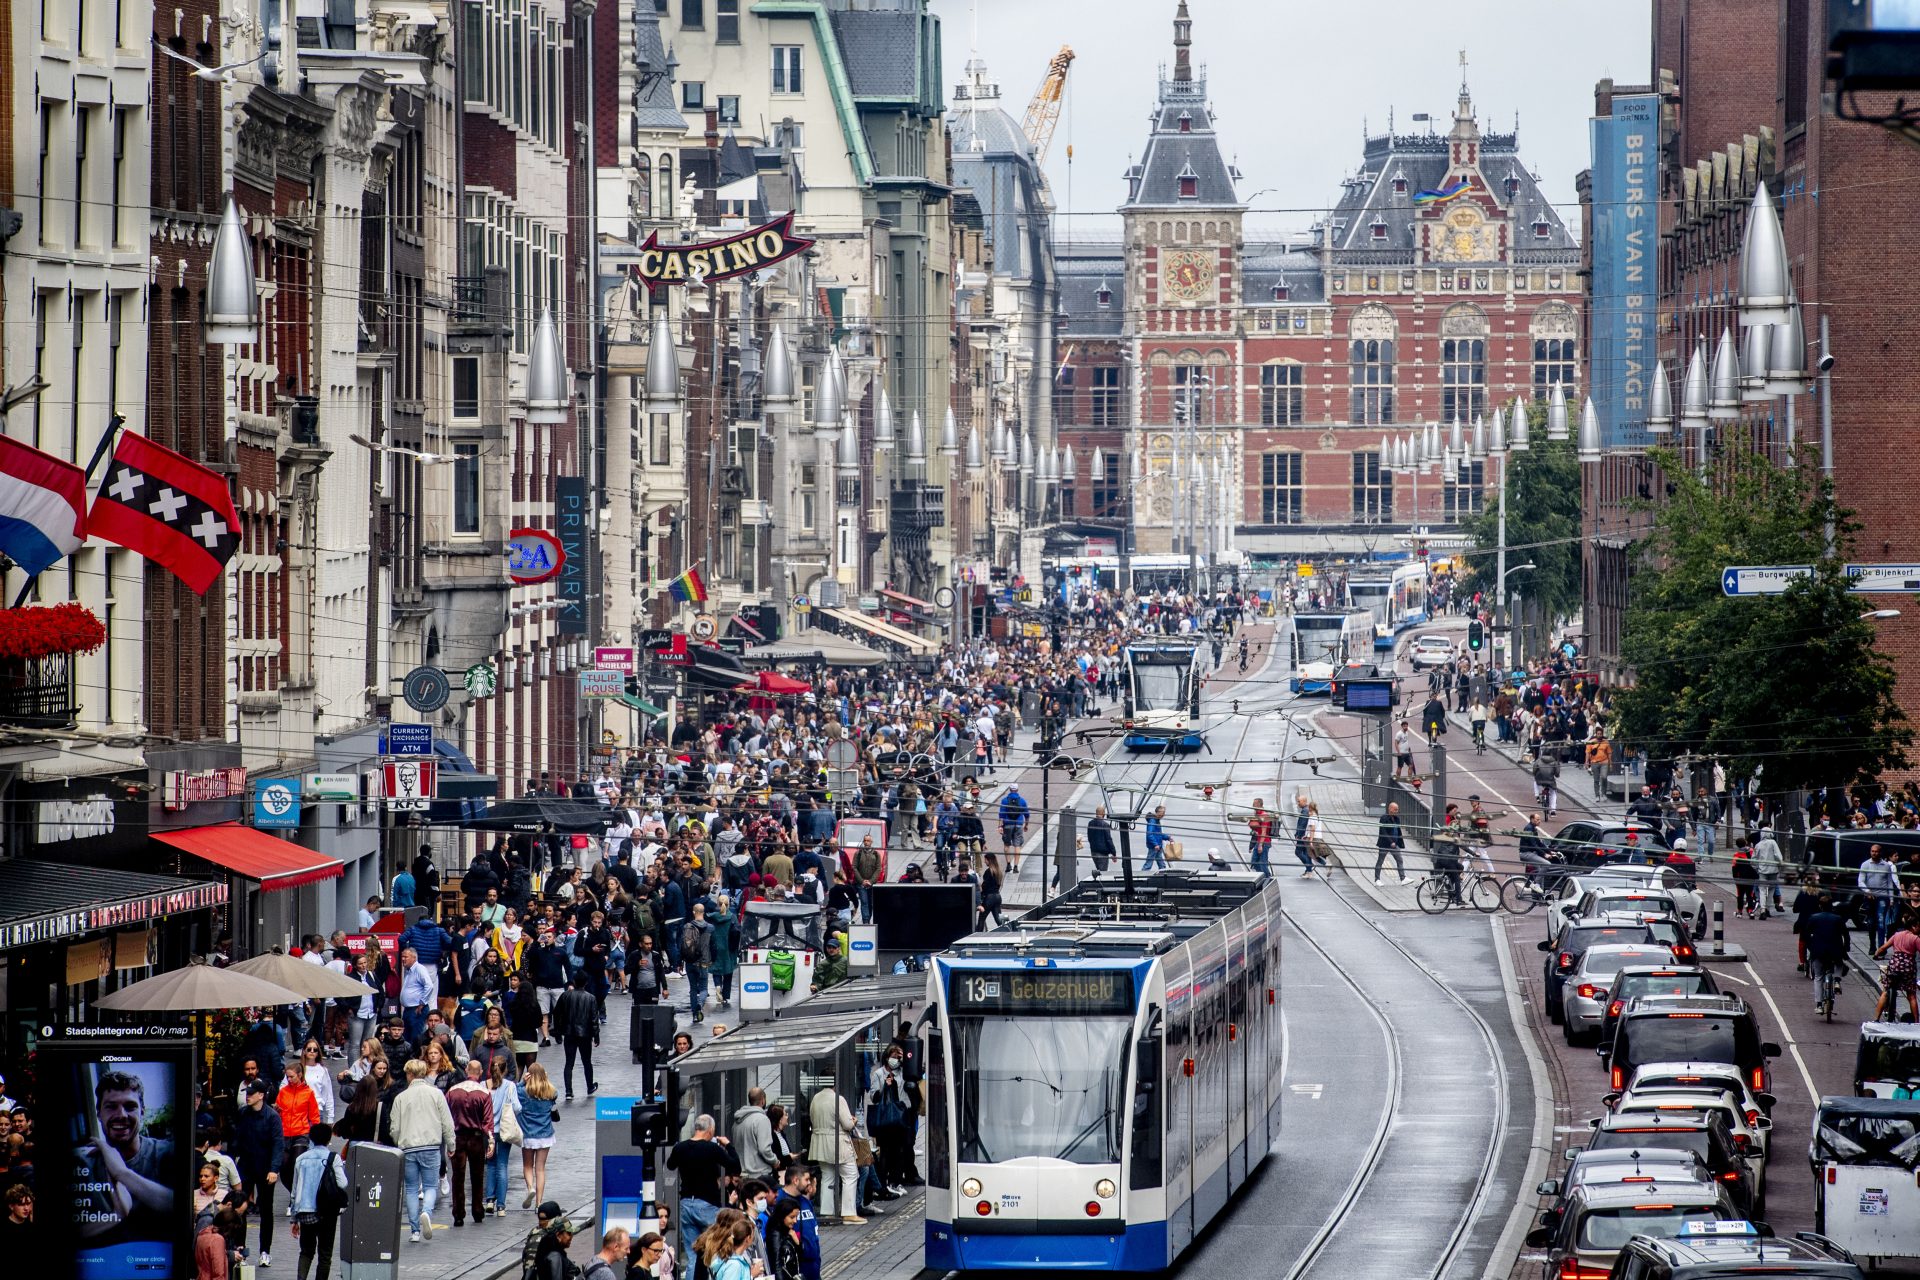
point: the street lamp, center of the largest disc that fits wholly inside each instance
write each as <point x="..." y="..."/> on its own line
<point x="1879" y="615"/>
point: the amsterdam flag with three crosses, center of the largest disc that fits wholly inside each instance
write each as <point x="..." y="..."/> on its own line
<point x="176" y="513"/>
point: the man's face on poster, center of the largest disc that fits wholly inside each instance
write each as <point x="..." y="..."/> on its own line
<point x="122" y="1112"/>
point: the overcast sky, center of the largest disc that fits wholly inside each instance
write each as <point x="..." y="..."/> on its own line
<point x="1293" y="82"/>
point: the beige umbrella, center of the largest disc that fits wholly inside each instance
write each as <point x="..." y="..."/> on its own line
<point x="309" y="979"/>
<point x="198" y="986"/>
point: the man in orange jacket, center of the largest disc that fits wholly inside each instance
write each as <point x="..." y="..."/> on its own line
<point x="299" y="1111"/>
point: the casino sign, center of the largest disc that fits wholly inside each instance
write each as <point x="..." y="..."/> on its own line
<point x="660" y="265"/>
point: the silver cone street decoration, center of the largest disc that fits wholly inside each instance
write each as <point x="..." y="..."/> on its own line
<point x="663" y="366"/>
<point x="1693" y="390"/>
<point x="1455" y="437"/>
<point x="826" y="397"/>
<point x="1519" y="440"/>
<point x="949" y="436"/>
<point x="233" y="304"/>
<point x="1066" y="465"/>
<point x="547" y="373"/>
<point x="1097" y="467"/>
<point x="849" y="461"/>
<point x="1497" y="434"/>
<point x="1660" y="402"/>
<point x="1589" y="442"/>
<point x="1787" y="356"/>
<point x="1723" y="388"/>
<point x="1557" y="412"/>
<point x="1754" y="344"/>
<point x="1479" y="437"/>
<point x="883" y="422"/>
<point x="1766" y="291"/>
<point x="976" y="460"/>
<point x="777" y="384"/>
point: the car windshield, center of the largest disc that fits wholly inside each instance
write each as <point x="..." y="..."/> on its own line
<point x="1612" y="1228"/>
<point x="1688" y="1037"/>
<point x="1693" y="1138"/>
<point x="1045" y="1087"/>
<point x="1580" y="939"/>
<point x="1604" y="962"/>
<point x="1645" y="984"/>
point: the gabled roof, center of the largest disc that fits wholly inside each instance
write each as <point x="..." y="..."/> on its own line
<point x="1083" y="275"/>
<point x="1172" y="154"/>
<point x="655" y="108"/>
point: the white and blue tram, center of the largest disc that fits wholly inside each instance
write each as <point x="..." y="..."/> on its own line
<point x="1396" y="599"/>
<point x="1104" y="1077"/>
<point x="1160" y="694"/>
<point x="1320" y="644"/>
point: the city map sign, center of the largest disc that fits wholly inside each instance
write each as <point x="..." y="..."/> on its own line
<point x="660" y="265"/>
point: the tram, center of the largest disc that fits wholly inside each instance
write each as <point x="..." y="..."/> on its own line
<point x="1161" y="695"/>
<point x="1320" y="644"/>
<point x="1396" y="600"/>
<point x="1103" y="1077"/>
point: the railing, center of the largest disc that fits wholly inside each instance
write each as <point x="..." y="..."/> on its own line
<point x="37" y="692"/>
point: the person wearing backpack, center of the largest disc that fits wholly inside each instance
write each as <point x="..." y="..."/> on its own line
<point x="646" y="971"/>
<point x="696" y="953"/>
<point x="319" y="1195"/>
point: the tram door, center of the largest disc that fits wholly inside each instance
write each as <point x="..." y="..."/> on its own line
<point x="1239" y="1040"/>
<point x="1180" y="1056"/>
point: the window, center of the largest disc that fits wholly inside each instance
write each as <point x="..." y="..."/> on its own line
<point x="1106" y="490"/>
<point x="786" y="68"/>
<point x="729" y="108"/>
<point x="1189" y="186"/>
<point x="1282" y="293"/>
<point x="46" y="168"/>
<point x="1552" y="364"/>
<point x="1280" y="487"/>
<point x="82" y="126"/>
<point x="1283" y="395"/>
<point x="693" y="13"/>
<point x="1372" y="489"/>
<point x="1371" y="370"/>
<point x="1463" y="379"/>
<point x="1541" y="230"/>
<point x="1103" y="296"/>
<point x="115" y="307"/>
<point x="726" y="21"/>
<point x="466" y="386"/>
<point x="1106" y="395"/>
<point x="1063" y="396"/>
<point x="1190" y="394"/>
<point x="1186" y="122"/>
<point x="466" y="490"/>
<point x="118" y="231"/>
<point x="1465" y="490"/>
<point x="693" y="95"/>
<point x="1513" y="187"/>
<point x="1378" y="230"/>
<point x="660" y="445"/>
<point x="1399" y="186"/>
<point x="809" y="495"/>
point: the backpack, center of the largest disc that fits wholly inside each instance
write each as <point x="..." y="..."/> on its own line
<point x="696" y="944"/>
<point x="330" y="1197"/>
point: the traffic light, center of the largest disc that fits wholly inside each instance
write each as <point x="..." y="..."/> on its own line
<point x="1476" y="635"/>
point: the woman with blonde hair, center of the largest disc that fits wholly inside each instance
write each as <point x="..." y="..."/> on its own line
<point x="536" y="1096"/>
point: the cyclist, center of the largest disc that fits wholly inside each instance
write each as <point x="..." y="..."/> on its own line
<point x="1433" y="719"/>
<point x="1243" y="655"/>
<point x="1477" y="717"/>
<point x="1827" y="942"/>
<point x="1446" y="860"/>
<point x="1543" y="866"/>
<point x="1480" y="830"/>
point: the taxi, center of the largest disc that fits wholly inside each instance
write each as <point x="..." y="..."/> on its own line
<point x="1707" y="1247"/>
<point x="1600" y="1218"/>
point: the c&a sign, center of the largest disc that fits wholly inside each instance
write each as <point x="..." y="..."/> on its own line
<point x="664" y="264"/>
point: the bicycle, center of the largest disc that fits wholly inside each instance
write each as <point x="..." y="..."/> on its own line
<point x="1477" y="890"/>
<point x="1827" y="983"/>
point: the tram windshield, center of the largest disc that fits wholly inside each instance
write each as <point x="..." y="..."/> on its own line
<point x="1156" y="686"/>
<point x="1041" y="1087"/>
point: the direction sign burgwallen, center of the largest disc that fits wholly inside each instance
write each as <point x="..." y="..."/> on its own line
<point x="1761" y="580"/>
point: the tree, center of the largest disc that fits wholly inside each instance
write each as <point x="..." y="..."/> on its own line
<point x="1789" y="688"/>
<point x="1543" y="524"/>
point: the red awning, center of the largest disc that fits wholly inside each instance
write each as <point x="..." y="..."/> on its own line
<point x="276" y="864"/>
<point x="774" y="682"/>
<point x="902" y="597"/>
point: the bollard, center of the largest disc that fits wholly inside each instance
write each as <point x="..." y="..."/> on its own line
<point x="1719" y="927"/>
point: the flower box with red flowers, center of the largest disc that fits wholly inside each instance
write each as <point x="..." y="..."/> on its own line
<point x="37" y="649"/>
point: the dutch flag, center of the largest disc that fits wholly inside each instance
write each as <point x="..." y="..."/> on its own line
<point x="43" y="503"/>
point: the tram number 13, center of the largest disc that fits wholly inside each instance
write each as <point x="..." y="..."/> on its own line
<point x="979" y="989"/>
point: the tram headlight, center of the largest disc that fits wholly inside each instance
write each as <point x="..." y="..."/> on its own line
<point x="1103" y="1188"/>
<point x="970" y="1188"/>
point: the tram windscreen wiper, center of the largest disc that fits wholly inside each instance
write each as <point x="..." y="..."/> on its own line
<point x="1093" y="1126"/>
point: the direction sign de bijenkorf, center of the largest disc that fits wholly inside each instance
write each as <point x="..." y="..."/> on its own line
<point x="1870" y="579"/>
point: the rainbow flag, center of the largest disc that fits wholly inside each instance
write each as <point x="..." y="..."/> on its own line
<point x="688" y="588"/>
<point x="1449" y="192"/>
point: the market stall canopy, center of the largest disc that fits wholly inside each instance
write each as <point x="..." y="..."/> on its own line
<point x="818" y="646"/>
<point x="537" y="813"/>
<point x="913" y="644"/>
<point x="315" y="981"/>
<point x="197" y="987"/>
<point x="276" y="864"/>
<point x="714" y="668"/>
<point x="774" y="682"/>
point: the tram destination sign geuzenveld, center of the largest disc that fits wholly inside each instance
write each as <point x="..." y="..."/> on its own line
<point x="1041" y="991"/>
<point x="1774" y="579"/>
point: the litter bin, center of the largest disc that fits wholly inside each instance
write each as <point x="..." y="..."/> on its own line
<point x="370" y="1224"/>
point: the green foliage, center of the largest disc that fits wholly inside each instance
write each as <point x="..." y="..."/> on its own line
<point x="1788" y="687"/>
<point x="1543" y="524"/>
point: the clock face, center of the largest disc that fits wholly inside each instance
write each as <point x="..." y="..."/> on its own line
<point x="1186" y="275"/>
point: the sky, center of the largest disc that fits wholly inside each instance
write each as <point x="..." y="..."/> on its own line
<point x="1293" y="82"/>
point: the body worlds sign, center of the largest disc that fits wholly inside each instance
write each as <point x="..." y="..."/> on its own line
<point x="664" y="264"/>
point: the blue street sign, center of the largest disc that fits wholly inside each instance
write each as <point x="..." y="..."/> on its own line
<point x="408" y="740"/>
<point x="276" y="804"/>
<point x="1761" y="580"/>
<point x="1871" y="579"/>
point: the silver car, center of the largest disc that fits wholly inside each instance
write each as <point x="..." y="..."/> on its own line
<point x="1583" y="997"/>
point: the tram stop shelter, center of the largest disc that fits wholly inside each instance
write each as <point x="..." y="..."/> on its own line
<point x="794" y="1058"/>
<point x="896" y="991"/>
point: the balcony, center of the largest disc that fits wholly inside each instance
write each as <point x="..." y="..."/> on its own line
<point x="37" y="693"/>
<point x="916" y="508"/>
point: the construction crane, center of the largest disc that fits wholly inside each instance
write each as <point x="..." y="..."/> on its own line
<point x="1044" y="111"/>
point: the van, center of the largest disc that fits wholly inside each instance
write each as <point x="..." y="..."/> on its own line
<point x="1718" y="1028"/>
<point x="1846" y="849"/>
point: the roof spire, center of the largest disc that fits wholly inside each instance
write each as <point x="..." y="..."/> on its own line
<point x="1182" y="42"/>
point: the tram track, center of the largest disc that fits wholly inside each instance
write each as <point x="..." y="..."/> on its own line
<point x="1343" y="1213"/>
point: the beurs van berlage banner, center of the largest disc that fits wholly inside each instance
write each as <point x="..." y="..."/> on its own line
<point x="1626" y="231"/>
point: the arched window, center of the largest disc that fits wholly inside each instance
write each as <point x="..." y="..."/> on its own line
<point x="1555" y="347"/>
<point x="1282" y="490"/>
<point x="1370" y="365"/>
<point x="1463" y="363"/>
<point x="643" y="185"/>
<point x="666" y="207"/>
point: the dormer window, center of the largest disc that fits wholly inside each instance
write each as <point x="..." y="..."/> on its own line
<point x="1103" y="296"/>
<point x="1399" y="186"/>
<point x="1189" y="187"/>
<point x="1281" y="293"/>
<point x="1379" y="230"/>
<point x="1541" y="230"/>
<point x="1513" y="187"/>
<point x="1186" y="122"/>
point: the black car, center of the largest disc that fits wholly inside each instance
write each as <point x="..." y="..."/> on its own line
<point x="1652" y="980"/>
<point x="1564" y="952"/>
<point x="1718" y="1028"/>
<point x="1585" y="843"/>
<point x="1707" y="1136"/>
<point x="1719" y="1249"/>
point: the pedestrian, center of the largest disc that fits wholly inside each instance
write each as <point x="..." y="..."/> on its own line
<point x="534" y="1098"/>
<point x="610" y="1262"/>
<point x="990" y="899"/>
<point x="550" y="1261"/>
<point x="319" y="1194"/>
<point x="1745" y="879"/>
<point x="471" y="1104"/>
<point x="1879" y="883"/>
<point x="259" y="1149"/>
<point x="1156" y="839"/>
<point x="799" y="1186"/>
<point x="783" y="1240"/>
<point x="1259" y="836"/>
<point x="1100" y="845"/>
<point x="1403" y="754"/>
<point x="576" y="1019"/>
<point x="831" y="1147"/>
<point x="422" y="1128"/>
<point x="753" y="1136"/>
<point x="703" y="1162"/>
<point x="1390" y="842"/>
<point x="1767" y="864"/>
<point x="890" y="1119"/>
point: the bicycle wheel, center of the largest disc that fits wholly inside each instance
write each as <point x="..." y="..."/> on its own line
<point x="1484" y="893"/>
<point x="1432" y="895"/>
<point x="1518" y="896"/>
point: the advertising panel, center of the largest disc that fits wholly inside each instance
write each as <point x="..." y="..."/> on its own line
<point x="570" y="518"/>
<point x="1626" y="234"/>
<point x="115" y="1185"/>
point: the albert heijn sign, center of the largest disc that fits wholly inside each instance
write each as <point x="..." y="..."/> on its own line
<point x="660" y="265"/>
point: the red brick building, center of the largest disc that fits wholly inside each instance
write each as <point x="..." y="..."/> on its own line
<point x="1441" y="286"/>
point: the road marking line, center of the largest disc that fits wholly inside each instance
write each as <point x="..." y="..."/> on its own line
<point x="1786" y="1034"/>
<point x="1308" y="1090"/>
<point x="1512" y="1236"/>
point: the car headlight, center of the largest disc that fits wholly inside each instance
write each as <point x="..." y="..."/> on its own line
<point x="1104" y="1188"/>
<point x="970" y="1188"/>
